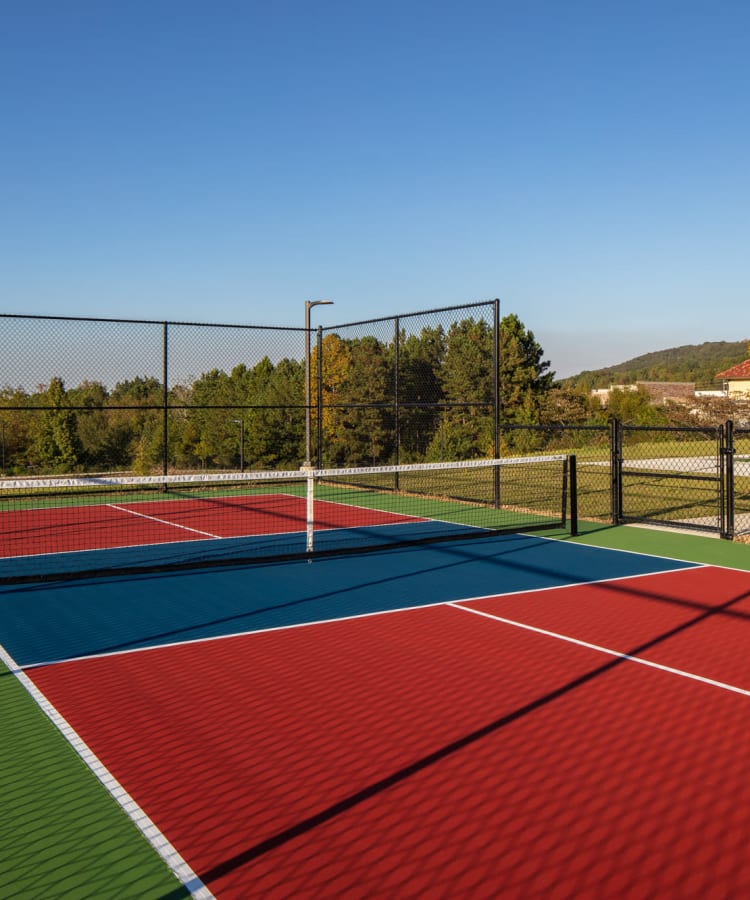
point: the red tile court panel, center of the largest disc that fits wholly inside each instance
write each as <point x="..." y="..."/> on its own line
<point x="61" y="530"/>
<point x="434" y="750"/>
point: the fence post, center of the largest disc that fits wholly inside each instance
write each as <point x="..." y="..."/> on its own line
<point x="573" y="479"/>
<point x="396" y="388"/>
<point x="165" y="376"/>
<point x="319" y="378"/>
<point x="727" y="481"/>
<point x="615" y="467"/>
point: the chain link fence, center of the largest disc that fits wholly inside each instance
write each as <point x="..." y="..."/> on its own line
<point x="591" y="446"/>
<point x="695" y="479"/>
<point x="422" y="387"/>
<point x="81" y="395"/>
<point x="103" y="396"/>
<point x="740" y="493"/>
<point x="671" y="476"/>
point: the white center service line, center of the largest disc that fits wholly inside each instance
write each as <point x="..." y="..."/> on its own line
<point x="164" y="521"/>
<point x="605" y="650"/>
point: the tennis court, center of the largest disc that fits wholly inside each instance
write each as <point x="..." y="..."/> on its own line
<point x="522" y="715"/>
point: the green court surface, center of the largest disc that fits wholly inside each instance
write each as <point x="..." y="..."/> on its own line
<point x="62" y="835"/>
<point x="659" y="542"/>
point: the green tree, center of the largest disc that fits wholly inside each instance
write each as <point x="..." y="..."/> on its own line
<point x="258" y="390"/>
<point x="136" y="439"/>
<point x="93" y="424"/>
<point x="525" y="376"/>
<point x="217" y="443"/>
<point x="465" y="429"/>
<point x="58" y="448"/>
<point x="565" y="406"/>
<point x="363" y="435"/>
<point x="16" y="429"/>
<point x="634" y="407"/>
<point x="275" y="429"/>
<point x="420" y="390"/>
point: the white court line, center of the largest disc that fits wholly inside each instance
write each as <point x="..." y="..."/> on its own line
<point x="163" y="521"/>
<point x="335" y="619"/>
<point x="457" y="604"/>
<point x="143" y="822"/>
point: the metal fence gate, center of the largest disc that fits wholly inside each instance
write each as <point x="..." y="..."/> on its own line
<point x="672" y="476"/>
<point x="738" y="488"/>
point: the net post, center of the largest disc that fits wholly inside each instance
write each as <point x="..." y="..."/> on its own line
<point x="573" y="482"/>
<point x="309" y="473"/>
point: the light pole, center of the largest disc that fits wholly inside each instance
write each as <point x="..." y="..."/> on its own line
<point x="307" y="464"/>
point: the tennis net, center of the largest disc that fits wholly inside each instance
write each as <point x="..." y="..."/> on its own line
<point x="75" y="526"/>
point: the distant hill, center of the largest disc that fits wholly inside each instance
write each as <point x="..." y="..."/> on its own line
<point x="697" y="363"/>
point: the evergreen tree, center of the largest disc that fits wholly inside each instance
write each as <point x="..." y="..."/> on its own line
<point x="524" y="374"/>
<point x="137" y="434"/>
<point x="363" y="435"/>
<point x="58" y="447"/>
<point x="466" y="377"/>
<point x="275" y="428"/>
<point x="420" y="390"/>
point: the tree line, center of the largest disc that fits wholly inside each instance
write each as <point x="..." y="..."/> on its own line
<point x="430" y="397"/>
<point x="697" y="363"/>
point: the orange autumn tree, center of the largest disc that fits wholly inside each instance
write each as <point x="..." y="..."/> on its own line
<point x="336" y="364"/>
<point x="357" y="394"/>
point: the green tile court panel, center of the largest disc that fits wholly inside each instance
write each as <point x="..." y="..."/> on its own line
<point x="60" y="833"/>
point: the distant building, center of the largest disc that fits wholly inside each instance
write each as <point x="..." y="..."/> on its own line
<point x="658" y="391"/>
<point x="666" y="391"/>
<point x="736" y="380"/>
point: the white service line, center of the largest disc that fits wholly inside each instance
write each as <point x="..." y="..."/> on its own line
<point x="163" y="521"/>
<point x="605" y="650"/>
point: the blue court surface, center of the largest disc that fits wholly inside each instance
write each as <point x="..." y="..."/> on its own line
<point x="55" y="621"/>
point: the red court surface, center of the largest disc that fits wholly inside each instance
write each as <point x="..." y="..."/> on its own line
<point x="66" y="529"/>
<point x="439" y="752"/>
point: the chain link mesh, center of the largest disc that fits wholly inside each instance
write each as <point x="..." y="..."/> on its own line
<point x="742" y="483"/>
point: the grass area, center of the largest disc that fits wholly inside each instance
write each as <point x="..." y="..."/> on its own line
<point x="61" y="833"/>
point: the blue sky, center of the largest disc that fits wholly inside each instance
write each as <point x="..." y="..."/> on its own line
<point x="585" y="162"/>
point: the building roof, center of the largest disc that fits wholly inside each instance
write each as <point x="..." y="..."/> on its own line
<point x="741" y="370"/>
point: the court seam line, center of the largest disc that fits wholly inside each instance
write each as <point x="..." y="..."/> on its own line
<point x="682" y="673"/>
<point x="316" y="622"/>
<point x="133" y="512"/>
<point x="156" y="839"/>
